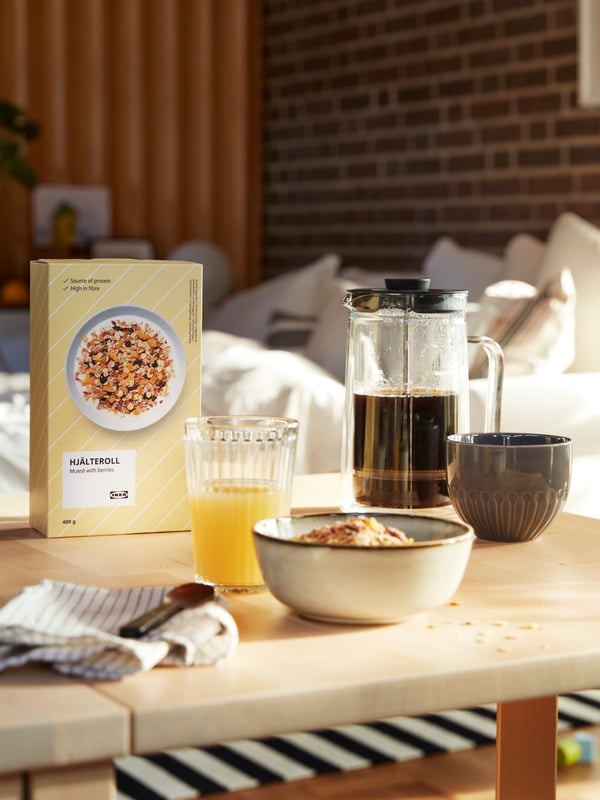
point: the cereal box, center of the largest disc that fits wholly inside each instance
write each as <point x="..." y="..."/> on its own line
<point x="115" y="370"/>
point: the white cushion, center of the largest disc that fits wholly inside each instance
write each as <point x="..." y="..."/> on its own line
<point x="373" y="279"/>
<point x="217" y="270"/>
<point x="575" y="243"/>
<point x="523" y="258"/>
<point x="249" y="312"/>
<point x="296" y="313"/>
<point x="535" y="328"/>
<point x="327" y="345"/>
<point x="450" y="266"/>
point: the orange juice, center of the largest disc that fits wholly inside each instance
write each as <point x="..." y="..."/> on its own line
<point x="223" y="515"/>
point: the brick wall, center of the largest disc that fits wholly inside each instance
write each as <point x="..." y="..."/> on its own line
<point x="389" y="123"/>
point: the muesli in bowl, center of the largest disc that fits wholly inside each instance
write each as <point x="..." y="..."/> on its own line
<point x="363" y="569"/>
<point x="356" y="531"/>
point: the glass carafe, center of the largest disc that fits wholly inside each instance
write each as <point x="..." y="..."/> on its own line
<point x="406" y="391"/>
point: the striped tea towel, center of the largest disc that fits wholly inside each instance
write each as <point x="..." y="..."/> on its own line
<point x="75" y="628"/>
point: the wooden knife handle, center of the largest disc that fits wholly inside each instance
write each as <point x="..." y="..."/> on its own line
<point x="151" y="619"/>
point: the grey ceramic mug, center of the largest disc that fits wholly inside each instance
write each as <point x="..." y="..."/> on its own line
<point x="508" y="486"/>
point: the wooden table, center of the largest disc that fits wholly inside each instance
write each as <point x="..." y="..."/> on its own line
<point x="524" y="627"/>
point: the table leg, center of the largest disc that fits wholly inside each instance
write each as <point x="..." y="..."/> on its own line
<point x="526" y="741"/>
<point x="79" y="782"/>
<point x="12" y="787"/>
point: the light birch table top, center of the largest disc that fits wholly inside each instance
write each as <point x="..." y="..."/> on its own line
<point x="523" y="627"/>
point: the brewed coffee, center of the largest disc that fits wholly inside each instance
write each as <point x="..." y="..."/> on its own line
<point x="400" y="448"/>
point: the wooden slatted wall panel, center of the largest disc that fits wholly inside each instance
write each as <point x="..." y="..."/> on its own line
<point x="158" y="99"/>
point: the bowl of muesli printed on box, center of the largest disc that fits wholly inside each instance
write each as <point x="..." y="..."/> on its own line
<point x="125" y="368"/>
<point x="360" y="568"/>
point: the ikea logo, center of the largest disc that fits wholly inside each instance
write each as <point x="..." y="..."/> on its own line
<point x="123" y="495"/>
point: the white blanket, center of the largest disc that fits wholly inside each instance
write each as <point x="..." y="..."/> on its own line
<point x="242" y="376"/>
<point x="239" y="376"/>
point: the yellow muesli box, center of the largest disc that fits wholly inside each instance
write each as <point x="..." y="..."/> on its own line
<point x="115" y="370"/>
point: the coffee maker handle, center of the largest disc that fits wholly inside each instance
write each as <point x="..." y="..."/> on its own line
<point x="495" y="357"/>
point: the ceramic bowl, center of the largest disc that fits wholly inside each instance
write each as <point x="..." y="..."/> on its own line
<point x="363" y="584"/>
<point x="508" y="486"/>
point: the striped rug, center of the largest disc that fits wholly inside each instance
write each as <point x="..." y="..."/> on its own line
<point x="198" y="771"/>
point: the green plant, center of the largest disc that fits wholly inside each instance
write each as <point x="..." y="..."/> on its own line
<point x="16" y="129"/>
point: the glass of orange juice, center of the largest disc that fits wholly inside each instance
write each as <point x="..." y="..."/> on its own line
<point x="239" y="471"/>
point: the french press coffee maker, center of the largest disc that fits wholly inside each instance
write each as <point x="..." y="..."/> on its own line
<point x="406" y="391"/>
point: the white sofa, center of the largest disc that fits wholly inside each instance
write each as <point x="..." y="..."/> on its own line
<point x="279" y="348"/>
<point x="565" y="404"/>
<point x="552" y="382"/>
